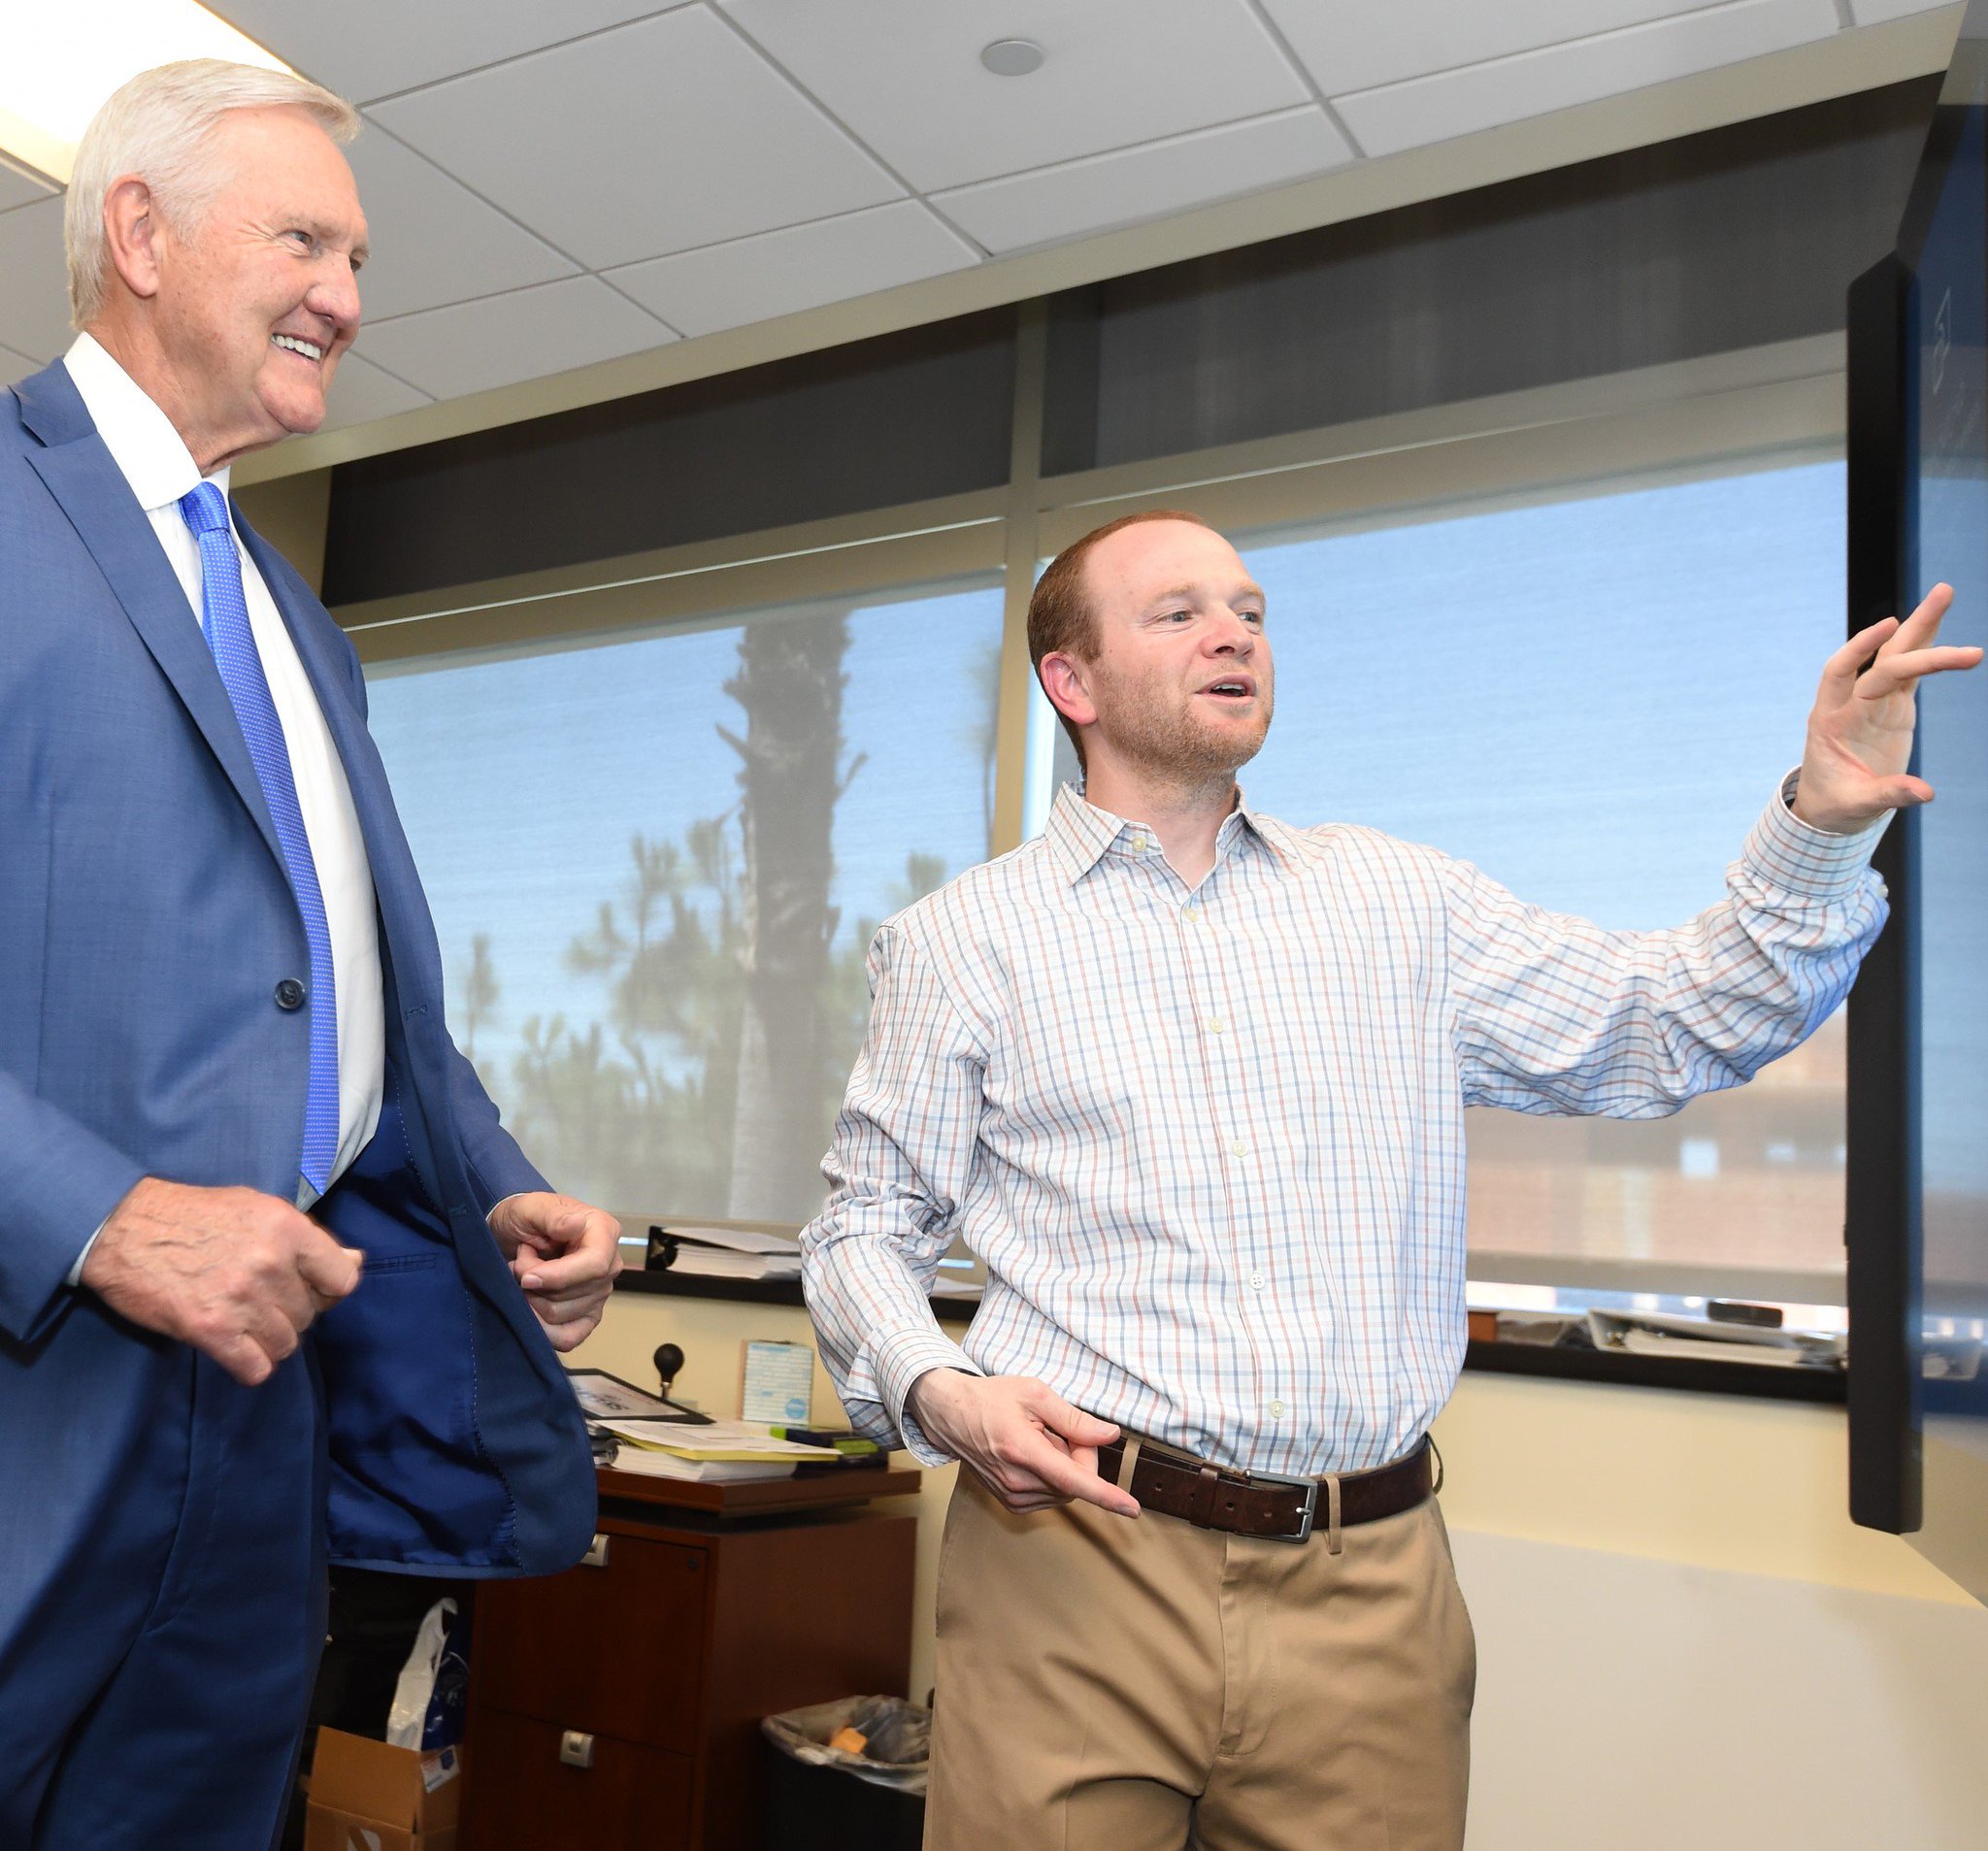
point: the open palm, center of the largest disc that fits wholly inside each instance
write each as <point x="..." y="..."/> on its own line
<point x="1860" y="730"/>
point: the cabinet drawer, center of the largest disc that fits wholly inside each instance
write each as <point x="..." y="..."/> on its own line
<point x="615" y="1650"/>
<point x="520" y="1793"/>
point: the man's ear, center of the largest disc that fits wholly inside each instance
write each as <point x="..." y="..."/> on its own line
<point x="1067" y="682"/>
<point x="132" y="235"/>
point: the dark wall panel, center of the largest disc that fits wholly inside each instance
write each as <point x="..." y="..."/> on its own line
<point x="899" y="418"/>
<point x="1729" y="238"/>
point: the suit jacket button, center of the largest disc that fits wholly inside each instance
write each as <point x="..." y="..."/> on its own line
<point x="289" y="993"/>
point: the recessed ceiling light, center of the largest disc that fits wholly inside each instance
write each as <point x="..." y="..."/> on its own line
<point x="1012" y="57"/>
<point x="62" y="61"/>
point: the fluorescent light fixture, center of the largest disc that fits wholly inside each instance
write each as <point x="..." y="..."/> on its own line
<point x="63" y="61"/>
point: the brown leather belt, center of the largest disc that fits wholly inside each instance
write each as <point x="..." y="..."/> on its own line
<point x="1258" y="1505"/>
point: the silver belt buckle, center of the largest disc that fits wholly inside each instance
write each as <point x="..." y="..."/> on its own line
<point x="1310" y="1487"/>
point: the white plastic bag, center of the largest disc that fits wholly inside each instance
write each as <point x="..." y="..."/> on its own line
<point x="898" y="1752"/>
<point x="407" y="1719"/>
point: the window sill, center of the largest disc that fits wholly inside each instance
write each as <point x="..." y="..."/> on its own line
<point x="1499" y="1359"/>
<point x="759" y="1291"/>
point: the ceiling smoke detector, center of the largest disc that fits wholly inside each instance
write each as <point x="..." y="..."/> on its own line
<point x="1012" y="57"/>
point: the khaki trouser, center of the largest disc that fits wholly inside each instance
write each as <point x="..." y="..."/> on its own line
<point x="1108" y="1684"/>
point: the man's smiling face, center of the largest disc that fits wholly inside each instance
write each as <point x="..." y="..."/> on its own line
<point x="1182" y="682"/>
<point x="258" y="297"/>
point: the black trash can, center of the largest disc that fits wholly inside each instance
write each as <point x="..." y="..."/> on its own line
<point x="825" y="1807"/>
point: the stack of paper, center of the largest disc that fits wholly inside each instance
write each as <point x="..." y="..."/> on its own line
<point x="724" y="1451"/>
<point x="1702" y="1340"/>
<point x="733" y="1253"/>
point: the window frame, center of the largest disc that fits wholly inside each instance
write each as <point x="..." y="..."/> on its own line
<point x="1757" y="406"/>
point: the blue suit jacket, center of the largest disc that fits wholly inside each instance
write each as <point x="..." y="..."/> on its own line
<point x="145" y="920"/>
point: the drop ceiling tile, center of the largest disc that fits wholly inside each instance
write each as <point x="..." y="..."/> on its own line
<point x="670" y="134"/>
<point x="1353" y="45"/>
<point x="434" y="242"/>
<point x="1481" y="96"/>
<point x="1876" y="11"/>
<point x="360" y="392"/>
<point x="16" y="366"/>
<point x="906" y="76"/>
<point x="18" y="187"/>
<point x="34" y="290"/>
<point x="1146" y="181"/>
<point x="520" y="336"/>
<point x="367" y="48"/>
<point x="802" y="266"/>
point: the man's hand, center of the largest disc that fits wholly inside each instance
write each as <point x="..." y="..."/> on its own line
<point x="1860" y="731"/>
<point x="1028" y="1445"/>
<point x="236" y="1273"/>
<point x="565" y="1255"/>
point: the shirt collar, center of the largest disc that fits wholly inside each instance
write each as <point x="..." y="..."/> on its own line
<point x="149" y="453"/>
<point x="1080" y="835"/>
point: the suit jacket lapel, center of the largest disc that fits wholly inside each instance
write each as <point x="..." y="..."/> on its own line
<point x="79" y="474"/>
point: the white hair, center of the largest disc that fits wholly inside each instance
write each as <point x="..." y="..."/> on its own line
<point x="158" y="128"/>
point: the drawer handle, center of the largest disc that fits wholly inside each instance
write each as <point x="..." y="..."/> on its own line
<point x="577" y="1749"/>
<point x="597" y="1556"/>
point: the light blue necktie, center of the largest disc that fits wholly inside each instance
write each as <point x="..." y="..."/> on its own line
<point x="225" y="619"/>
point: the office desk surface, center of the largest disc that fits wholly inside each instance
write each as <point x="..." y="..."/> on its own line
<point x="760" y="1497"/>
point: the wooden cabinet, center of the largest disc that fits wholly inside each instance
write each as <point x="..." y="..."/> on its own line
<point x="617" y="1705"/>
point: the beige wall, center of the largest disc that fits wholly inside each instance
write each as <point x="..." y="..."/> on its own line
<point x="1682" y="1637"/>
<point x="291" y="513"/>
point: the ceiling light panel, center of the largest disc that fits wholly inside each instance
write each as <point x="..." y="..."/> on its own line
<point x="500" y="339"/>
<point x="1107" y="190"/>
<point x="370" y="49"/>
<point x="62" y="61"/>
<point x="906" y="76"/>
<point x="671" y="134"/>
<point x="1481" y="96"/>
<point x="433" y="240"/>
<point x="1353" y="45"/>
<point x="783" y="272"/>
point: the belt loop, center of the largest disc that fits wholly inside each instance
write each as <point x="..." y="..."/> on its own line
<point x="1204" y="1499"/>
<point x="1332" y="1514"/>
<point x="1127" y="1461"/>
<point x="1436" y="1454"/>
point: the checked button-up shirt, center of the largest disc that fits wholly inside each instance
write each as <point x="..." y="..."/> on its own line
<point x="1209" y="1142"/>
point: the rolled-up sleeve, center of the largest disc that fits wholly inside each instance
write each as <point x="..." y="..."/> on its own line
<point x="906" y="1142"/>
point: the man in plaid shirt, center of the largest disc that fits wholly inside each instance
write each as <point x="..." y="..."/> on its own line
<point x="1191" y="1082"/>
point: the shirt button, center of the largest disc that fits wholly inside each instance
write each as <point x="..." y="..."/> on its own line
<point x="289" y="993"/>
<point x="1138" y="845"/>
<point x="1277" y="1411"/>
<point x="1190" y="912"/>
<point x="1238" y="1148"/>
<point x="1214" y="1024"/>
<point x="1256" y="1281"/>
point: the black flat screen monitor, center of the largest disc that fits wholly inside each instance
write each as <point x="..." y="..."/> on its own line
<point x="1918" y="1210"/>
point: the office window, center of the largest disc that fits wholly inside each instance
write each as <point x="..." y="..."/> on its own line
<point x="1591" y="697"/>
<point x="655" y="862"/>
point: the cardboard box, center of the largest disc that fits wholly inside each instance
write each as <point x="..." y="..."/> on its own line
<point x="368" y="1797"/>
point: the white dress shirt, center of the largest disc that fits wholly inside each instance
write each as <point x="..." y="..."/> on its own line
<point x="1209" y="1141"/>
<point x="155" y="462"/>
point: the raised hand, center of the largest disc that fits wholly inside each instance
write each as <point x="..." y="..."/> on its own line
<point x="1027" y="1444"/>
<point x="1860" y="730"/>
<point x="565" y="1255"/>
<point x="234" y="1272"/>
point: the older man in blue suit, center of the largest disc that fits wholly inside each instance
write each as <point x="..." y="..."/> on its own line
<point x="274" y="1284"/>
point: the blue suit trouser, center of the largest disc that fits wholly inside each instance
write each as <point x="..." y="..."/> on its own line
<point x="159" y="1637"/>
